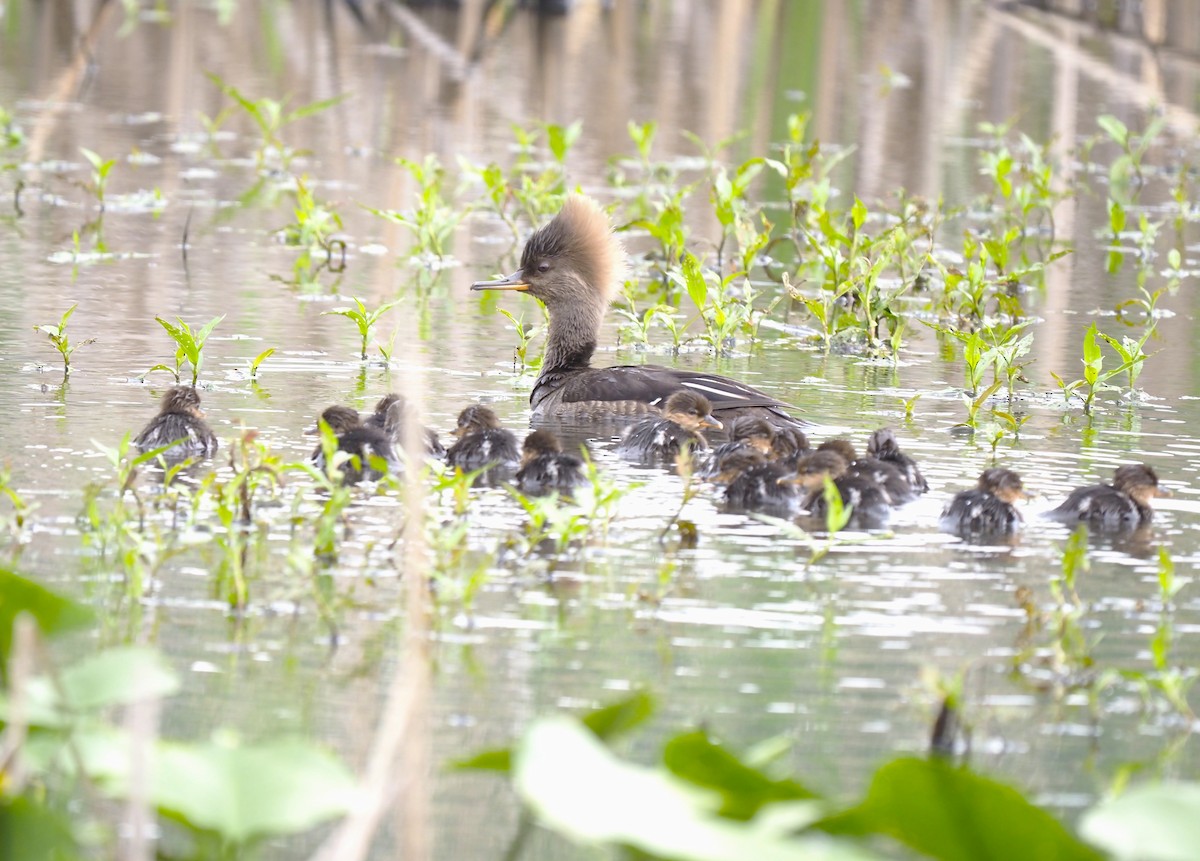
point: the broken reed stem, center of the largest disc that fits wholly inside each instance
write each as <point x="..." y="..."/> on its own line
<point x="399" y="760"/>
<point x="20" y="669"/>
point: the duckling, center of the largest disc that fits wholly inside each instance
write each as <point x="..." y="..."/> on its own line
<point x="391" y="412"/>
<point x="544" y="467"/>
<point x="887" y="476"/>
<point x="573" y="265"/>
<point x="987" y="508"/>
<point x="746" y="434"/>
<point x="181" y="421"/>
<point x="753" y="483"/>
<point x="683" y="419"/>
<point x="1123" y="505"/>
<point x="883" y="446"/>
<point x="482" y="442"/>
<point x="363" y="444"/>
<point x="869" y="502"/>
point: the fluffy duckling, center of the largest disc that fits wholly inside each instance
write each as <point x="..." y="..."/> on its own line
<point x="987" y="508"/>
<point x="181" y="421"/>
<point x="869" y="502"/>
<point x="391" y="414"/>
<point x="888" y="477"/>
<point x="1116" y="507"/>
<point x="574" y="265"/>
<point x="362" y="443"/>
<point x="544" y="467"/>
<point x="683" y="420"/>
<point x="883" y="446"/>
<point x="747" y="434"/>
<point x="482" y="442"/>
<point x="753" y="483"/>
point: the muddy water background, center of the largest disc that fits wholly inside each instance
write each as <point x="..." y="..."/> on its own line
<point x="748" y="640"/>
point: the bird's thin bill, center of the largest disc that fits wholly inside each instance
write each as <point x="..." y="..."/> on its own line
<point x="516" y="281"/>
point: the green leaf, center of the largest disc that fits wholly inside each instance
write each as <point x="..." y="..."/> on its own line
<point x="52" y="613"/>
<point x="31" y="832"/>
<point x="627" y="805"/>
<point x="314" y="108"/>
<point x="953" y="814"/>
<point x="259" y="359"/>
<point x="1174" y="259"/>
<point x="240" y="792"/>
<point x="694" y="757"/>
<point x="611" y="721"/>
<point x="1156" y="822"/>
<point x="117" y="676"/>
<point x="1114" y="128"/>
<point x="499" y="760"/>
<point x="693" y="279"/>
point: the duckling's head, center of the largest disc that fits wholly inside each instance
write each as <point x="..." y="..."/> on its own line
<point x="733" y="464"/>
<point x="789" y="442"/>
<point x="812" y="469"/>
<point x="538" y="443"/>
<point x="690" y="410"/>
<point x="1004" y="484"/>
<point x="882" y="443"/>
<point x="341" y="419"/>
<point x="181" y="400"/>
<point x="391" y="403"/>
<point x="755" y="432"/>
<point x="574" y="260"/>
<point x="1139" y="481"/>
<point x="474" y="419"/>
<point x="842" y="447"/>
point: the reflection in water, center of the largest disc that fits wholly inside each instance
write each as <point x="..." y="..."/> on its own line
<point x="741" y="629"/>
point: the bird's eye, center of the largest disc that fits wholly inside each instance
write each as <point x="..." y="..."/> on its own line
<point x="543" y="266"/>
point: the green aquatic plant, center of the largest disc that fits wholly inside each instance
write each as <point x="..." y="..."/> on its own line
<point x="666" y="226"/>
<point x="257" y="361"/>
<point x="60" y="340"/>
<point x="98" y="181"/>
<point x="433" y="220"/>
<point x="1133" y="149"/>
<point x="1095" y="378"/>
<point x="189" y="345"/>
<point x="364" y="319"/>
<point x="525" y="335"/>
<point x="315" y="221"/>
<point x="272" y="117"/>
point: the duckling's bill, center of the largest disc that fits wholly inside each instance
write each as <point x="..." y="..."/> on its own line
<point x="516" y="281"/>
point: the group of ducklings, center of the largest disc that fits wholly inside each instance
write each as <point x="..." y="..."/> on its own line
<point x="763" y="467"/>
<point x="371" y="442"/>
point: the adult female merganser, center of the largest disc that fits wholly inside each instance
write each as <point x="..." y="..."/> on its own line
<point x="573" y="265"/>
<point x="363" y="444"/>
<point x="987" y="508"/>
<point x="1122" y="505"/>
<point x="180" y="420"/>
<point x="544" y="467"/>
<point x="482" y="442"/>
<point x="682" y="422"/>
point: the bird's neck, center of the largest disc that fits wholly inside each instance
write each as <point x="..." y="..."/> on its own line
<point x="572" y="338"/>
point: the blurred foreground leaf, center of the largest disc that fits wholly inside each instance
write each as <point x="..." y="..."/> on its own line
<point x="953" y="814"/>
<point x="577" y="787"/>
<point x="1157" y="822"/>
<point x="243" y="792"/>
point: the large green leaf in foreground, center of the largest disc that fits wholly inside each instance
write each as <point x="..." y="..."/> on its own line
<point x="953" y="814"/>
<point x="1156" y="822"/>
<point x="243" y="792"/>
<point x="51" y="612"/>
<point x="575" y="785"/>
